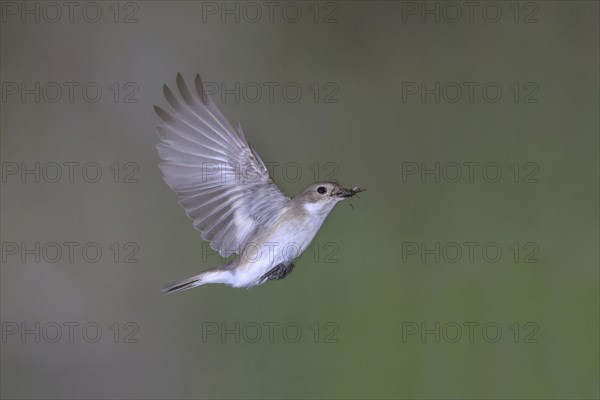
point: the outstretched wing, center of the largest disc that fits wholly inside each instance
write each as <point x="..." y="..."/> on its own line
<point x="222" y="184"/>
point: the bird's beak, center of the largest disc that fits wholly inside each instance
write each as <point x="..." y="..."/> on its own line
<point x="343" y="192"/>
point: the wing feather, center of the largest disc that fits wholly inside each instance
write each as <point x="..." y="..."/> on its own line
<point x="222" y="183"/>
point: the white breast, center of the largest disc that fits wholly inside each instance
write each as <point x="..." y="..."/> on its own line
<point x="282" y="242"/>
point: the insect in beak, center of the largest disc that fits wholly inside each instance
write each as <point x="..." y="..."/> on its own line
<point x="353" y="192"/>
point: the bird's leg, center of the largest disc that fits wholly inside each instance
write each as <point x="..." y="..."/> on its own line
<point x="278" y="272"/>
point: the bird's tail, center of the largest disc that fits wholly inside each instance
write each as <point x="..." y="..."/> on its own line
<point x="216" y="275"/>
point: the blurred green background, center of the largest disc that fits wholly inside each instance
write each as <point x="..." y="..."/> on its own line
<point x="352" y="321"/>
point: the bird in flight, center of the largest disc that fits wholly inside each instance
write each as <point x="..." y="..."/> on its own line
<point x="225" y="188"/>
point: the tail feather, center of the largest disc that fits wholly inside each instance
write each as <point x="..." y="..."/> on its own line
<point x="211" y="276"/>
<point x="181" y="285"/>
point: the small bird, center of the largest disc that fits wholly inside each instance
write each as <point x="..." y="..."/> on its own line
<point x="225" y="188"/>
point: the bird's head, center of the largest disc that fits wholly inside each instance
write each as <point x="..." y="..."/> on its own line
<point x="321" y="197"/>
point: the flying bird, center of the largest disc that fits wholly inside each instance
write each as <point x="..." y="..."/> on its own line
<point x="225" y="188"/>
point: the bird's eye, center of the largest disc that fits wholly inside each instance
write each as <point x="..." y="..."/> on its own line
<point x="322" y="190"/>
